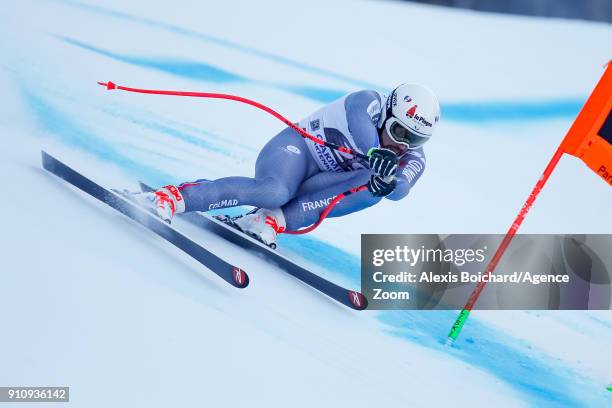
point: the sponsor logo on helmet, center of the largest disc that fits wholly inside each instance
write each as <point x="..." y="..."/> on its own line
<point x="407" y="99"/>
<point x="422" y="120"/>
<point x="410" y="112"/>
<point x="315" y="124"/>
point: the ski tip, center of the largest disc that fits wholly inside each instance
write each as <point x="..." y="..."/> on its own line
<point x="358" y="301"/>
<point x="240" y="279"/>
<point x="109" y="85"/>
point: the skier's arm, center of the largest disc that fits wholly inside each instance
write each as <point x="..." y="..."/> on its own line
<point x="412" y="166"/>
<point x="317" y="192"/>
<point x="363" y="110"/>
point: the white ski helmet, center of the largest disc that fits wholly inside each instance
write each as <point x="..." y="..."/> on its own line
<point x="413" y="112"/>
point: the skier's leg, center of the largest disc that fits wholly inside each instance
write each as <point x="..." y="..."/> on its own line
<point x="317" y="192"/>
<point x="281" y="166"/>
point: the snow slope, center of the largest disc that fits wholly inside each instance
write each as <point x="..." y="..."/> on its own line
<point x="92" y="301"/>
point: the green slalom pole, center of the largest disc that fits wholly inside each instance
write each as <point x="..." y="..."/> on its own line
<point x="459" y="322"/>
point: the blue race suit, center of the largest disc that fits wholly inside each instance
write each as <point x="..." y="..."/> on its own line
<point x="302" y="177"/>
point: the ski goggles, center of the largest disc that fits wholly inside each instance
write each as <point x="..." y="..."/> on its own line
<point x="400" y="134"/>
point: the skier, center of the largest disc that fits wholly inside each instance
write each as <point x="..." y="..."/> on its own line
<point x="295" y="178"/>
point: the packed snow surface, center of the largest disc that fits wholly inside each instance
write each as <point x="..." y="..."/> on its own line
<point x="90" y="300"/>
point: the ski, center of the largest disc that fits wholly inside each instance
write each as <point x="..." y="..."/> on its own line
<point x="350" y="298"/>
<point x="230" y="273"/>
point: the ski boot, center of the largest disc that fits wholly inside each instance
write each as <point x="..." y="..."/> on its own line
<point x="165" y="202"/>
<point x="262" y="224"/>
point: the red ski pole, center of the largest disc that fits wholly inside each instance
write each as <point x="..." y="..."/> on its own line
<point x="110" y="85"/>
<point x="327" y="210"/>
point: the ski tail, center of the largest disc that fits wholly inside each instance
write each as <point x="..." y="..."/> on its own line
<point x="228" y="272"/>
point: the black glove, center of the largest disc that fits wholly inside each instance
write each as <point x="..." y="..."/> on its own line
<point x="380" y="187"/>
<point x="383" y="162"/>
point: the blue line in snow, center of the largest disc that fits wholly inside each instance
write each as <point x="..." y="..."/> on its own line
<point x="204" y="72"/>
<point x="459" y="112"/>
<point x="182" y="68"/>
<point x="324" y="95"/>
<point x="220" y="41"/>
<point x="173" y="132"/>
<point x="191" y="134"/>
<point x="488" y="111"/>
<point x="60" y="125"/>
<point x="544" y="383"/>
<point x="327" y="256"/>
<point x="468" y="112"/>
